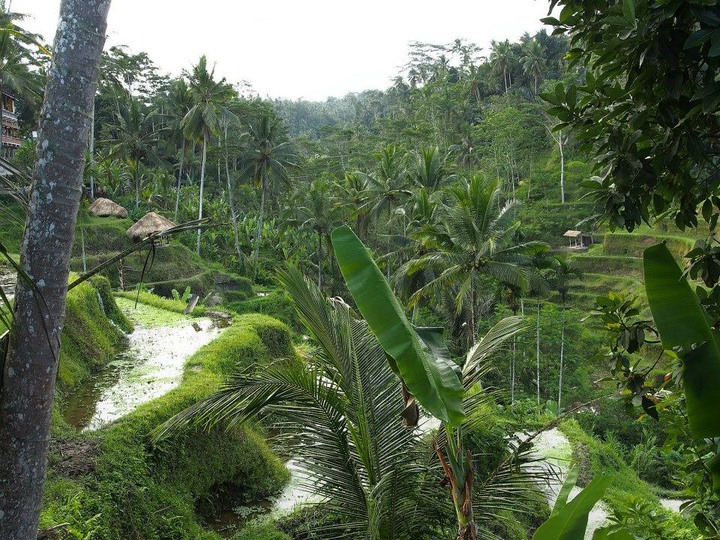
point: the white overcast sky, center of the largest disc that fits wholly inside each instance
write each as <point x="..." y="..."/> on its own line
<point x="295" y="49"/>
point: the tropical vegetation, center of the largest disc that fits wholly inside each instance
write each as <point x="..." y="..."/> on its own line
<point x="420" y="283"/>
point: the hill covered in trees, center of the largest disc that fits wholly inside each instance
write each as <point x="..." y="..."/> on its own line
<point x="462" y="179"/>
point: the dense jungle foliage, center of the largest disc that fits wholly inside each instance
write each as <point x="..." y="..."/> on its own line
<point x="462" y="178"/>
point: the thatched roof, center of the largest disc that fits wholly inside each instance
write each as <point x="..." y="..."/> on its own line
<point x="148" y="224"/>
<point x="572" y="234"/>
<point x="105" y="207"/>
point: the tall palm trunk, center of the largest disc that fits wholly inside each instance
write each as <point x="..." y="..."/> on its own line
<point x="202" y="188"/>
<point x="258" y="235"/>
<point x="91" y="151"/>
<point x="537" y="353"/>
<point x="136" y="175"/>
<point x="2" y="116"/>
<point x="562" y="168"/>
<point x="179" y="182"/>
<point x="320" y="256"/>
<point x="562" y="357"/>
<point x="512" y="371"/>
<point x="29" y="368"/>
<point x="231" y="203"/>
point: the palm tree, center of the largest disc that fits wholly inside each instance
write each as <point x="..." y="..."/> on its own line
<point x="317" y="211"/>
<point x="474" y="239"/>
<point x="31" y="358"/>
<point x="430" y="169"/>
<point x="136" y="137"/>
<point x="179" y="103"/>
<point x="268" y="157"/>
<point x="501" y="58"/>
<point x="533" y="61"/>
<point x="202" y="121"/>
<point x="560" y="275"/>
<point x="356" y="199"/>
<point x="339" y="410"/>
<point x="15" y="55"/>
<point x="389" y="186"/>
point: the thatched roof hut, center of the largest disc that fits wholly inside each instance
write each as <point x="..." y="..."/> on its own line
<point x="105" y="208"/>
<point x="148" y="224"/>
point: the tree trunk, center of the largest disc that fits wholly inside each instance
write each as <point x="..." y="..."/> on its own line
<point x="562" y="168"/>
<point x="562" y="358"/>
<point x="461" y="485"/>
<point x="202" y="187"/>
<point x="179" y="183"/>
<point x="512" y="371"/>
<point x="91" y="151"/>
<point x="2" y="115"/>
<point x="258" y="235"/>
<point x="231" y="204"/>
<point x="320" y="255"/>
<point x="30" y="366"/>
<point x="537" y="354"/>
<point x="136" y="174"/>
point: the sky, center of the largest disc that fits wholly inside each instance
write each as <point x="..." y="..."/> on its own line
<point x="294" y="49"/>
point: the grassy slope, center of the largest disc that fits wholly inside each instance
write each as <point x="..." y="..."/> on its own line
<point x="130" y="489"/>
<point x="635" y="499"/>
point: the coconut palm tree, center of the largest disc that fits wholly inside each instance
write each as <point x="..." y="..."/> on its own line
<point x="389" y="186"/>
<point x="501" y="58"/>
<point x="316" y="210"/>
<point x="202" y="121"/>
<point x="15" y="55"/>
<point x="339" y="411"/>
<point x="136" y="137"/>
<point x="268" y="157"/>
<point x="533" y="61"/>
<point x="560" y="275"/>
<point x="473" y="238"/>
<point x="430" y="169"/>
<point x="179" y="103"/>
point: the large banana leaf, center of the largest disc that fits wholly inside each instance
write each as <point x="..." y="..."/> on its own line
<point x="569" y="521"/>
<point x="684" y="327"/>
<point x="433" y="379"/>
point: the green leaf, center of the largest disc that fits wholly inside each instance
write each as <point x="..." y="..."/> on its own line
<point x="570" y="522"/>
<point x="684" y="327"/>
<point x="697" y="38"/>
<point x="433" y="380"/>
<point x="605" y="534"/>
<point x="629" y="10"/>
<point x="565" y="491"/>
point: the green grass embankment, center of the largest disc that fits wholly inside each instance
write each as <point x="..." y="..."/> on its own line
<point x="89" y="339"/>
<point x="633" y="499"/>
<point x="123" y="487"/>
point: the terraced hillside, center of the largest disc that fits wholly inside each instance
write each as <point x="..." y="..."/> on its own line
<point x="614" y="262"/>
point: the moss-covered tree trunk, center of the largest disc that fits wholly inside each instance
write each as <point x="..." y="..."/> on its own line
<point x="30" y="366"/>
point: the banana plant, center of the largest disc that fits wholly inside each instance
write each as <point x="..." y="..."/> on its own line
<point x="569" y="520"/>
<point x="419" y="357"/>
<point x="686" y="333"/>
<point x="415" y="355"/>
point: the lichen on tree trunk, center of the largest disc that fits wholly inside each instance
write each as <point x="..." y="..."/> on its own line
<point x="30" y="366"/>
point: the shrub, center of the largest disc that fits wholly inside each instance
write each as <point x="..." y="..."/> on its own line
<point x="260" y="532"/>
<point x="276" y="304"/>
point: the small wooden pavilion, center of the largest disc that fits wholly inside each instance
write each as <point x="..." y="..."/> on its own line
<point x="578" y="240"/>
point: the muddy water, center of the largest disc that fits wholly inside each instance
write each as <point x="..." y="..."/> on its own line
<point x="8" y="278"/>
<point x="296" y="494"/>
<point x="149" y="366"/>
